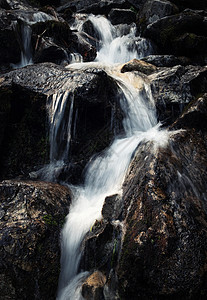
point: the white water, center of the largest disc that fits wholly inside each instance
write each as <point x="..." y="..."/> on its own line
<point x="26" y="34"/>
<point x="105" y="174"/>
<point x="117" y="43"/>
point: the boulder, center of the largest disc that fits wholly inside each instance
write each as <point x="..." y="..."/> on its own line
<point x="92" y="288"/>
<point x="25" y="143"/>
<point x="48" y="51"/>
<point x="182" y="4"/>
<point x="92" y="6"/>
<point x="10" y="50"/>
<point x="182" y="34"/>
<point x="194" y="115"/>
<point x="173" y="88"/>
<point x="121" y="16"/>
<point x="100" y="247"/>
<point x="165" y="60"/>
<point x="163" y="254"/>
<point x="138" y="65"/>
<point x="153" y="10"/>
<point x="64" y="42"/>
<point x="31" y="217"/>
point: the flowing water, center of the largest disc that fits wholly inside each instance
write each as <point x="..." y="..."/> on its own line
<point x="26" y="33"/>
<point x="105" y="174"/>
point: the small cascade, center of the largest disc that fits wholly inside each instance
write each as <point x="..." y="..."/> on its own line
<point x="104" y="175"/>
<point x="60" y="111"/>
<point x="119" y="47"/>
<point x="26" y="33"/>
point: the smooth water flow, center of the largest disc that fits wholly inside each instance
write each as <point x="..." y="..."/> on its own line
<point x="118" y="44"/>
<point x="26" y="34"/>
<point x="105" y="174"/>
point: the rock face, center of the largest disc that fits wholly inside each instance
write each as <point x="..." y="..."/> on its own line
<point x="31" y="217"/>
<point x="173" y="88"/>
<point x="153" y="10"/>
<point x="166" y="222"/>
<point x="25" y="116"/>
<point x="118" y="16"/>
<point x="180" y="34"/>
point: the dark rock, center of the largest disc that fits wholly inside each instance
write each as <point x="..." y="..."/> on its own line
<point x="138" y="65"/>
<point x="101" y="246"/>
<point x="165" y="60"/>
<point x="64" y="41"/>
<point x="183" y="34"/>
<point x="194" y="115"/>
<point x="182" y="4"/>
<point x="48" y="51"/>
<point x="122" y="16"/>
<point x="93" y="35"/>
<point x="14" y="4"/>
<point x="92" y="6"/>
<point x="173" y="88"/>
<point x="153" y="10"/>
<point x="112" y="207"/>
<point x="24" y="139"/>
<point x="10" y="50"/>
<point x="25" y="142"/>
<point x="87" y="51"/>
<point x="163" y="254"/>
<point x="32" y="215"/>
<point x="92" y="288"/>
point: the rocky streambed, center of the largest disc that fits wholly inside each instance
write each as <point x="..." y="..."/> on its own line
<point x="151" y="241"/>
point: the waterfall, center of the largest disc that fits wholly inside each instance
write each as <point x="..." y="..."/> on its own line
<point x="26" y="33"/>
<point x="117" y="46"/>
<point x="105" y="174"/>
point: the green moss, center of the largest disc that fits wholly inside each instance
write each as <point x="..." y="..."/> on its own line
<point x="50" y="220"/>
<point x="167" y="34"/>
<point x="132" y="8"/>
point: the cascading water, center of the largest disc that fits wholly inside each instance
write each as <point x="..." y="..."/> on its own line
<point x="105" y="175"/>
<point x="118" y="44"/>
<point x="26" y="33"/>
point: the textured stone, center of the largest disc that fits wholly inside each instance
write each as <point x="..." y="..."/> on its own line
<point x="121" y="16"/>
<point x="138" y="65"/>
<point x="165" y="211"/>
<point x="32" y="215"/>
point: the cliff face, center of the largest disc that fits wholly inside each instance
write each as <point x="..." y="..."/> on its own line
<point x="151" y="242"/>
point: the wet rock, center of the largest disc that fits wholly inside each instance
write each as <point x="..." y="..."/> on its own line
<point x="182" y="4"/>
<point x="112" y="207"/>
<point x="101" y="246"/>
<point x="138" y="65"/>
<point x="165" y="60"/>
<point x="14" y="4"/>
<point x="153" y="10"/>
<point x="92" y="35"/>
<point x="163" y="254"/>
<point x="24" y="131"/>
<point x="33" y="215"/>
<point x="87" y="51"/>
<point x="92" y="288"/>
<point x="194" y="115"/>
<point x="182" y="34"/>
<point x="122" y="16"/>
<point x="48" y="51"/>
<point x="10" y="50"/>
<point x="25" y="142"/>
<point x="92" y="6"/>
<point x="173" y="88"/>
